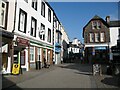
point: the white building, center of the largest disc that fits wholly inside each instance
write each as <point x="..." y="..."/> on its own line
<point x="65" y="42"/>
<point x="33" y="34"/>
<point x="57" y="40"/>
<point x="6" y="35"/>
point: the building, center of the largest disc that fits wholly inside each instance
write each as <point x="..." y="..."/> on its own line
<point x="31" y="34"/>
<point x="65" y="42"/>
<point x="99" y="37"/>
<point x="96" y="34"/>
<point x="57" y="40"/>
<point x="6" y="35"/>
<point x="75" y="50"/>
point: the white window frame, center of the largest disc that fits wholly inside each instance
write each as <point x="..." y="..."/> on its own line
<point x="33" y="27"/>
<point x="32" y="51"/>
<point x="34" y="3"/>
<point x="98" y="25"/>
<point x="94" y="23"/>
<point x="49" y="37"/>
<point x="91" y="37"/>
<point x="2" y="20"/>
<point x="38" y="54"/>
<point x="42" y="35"/>
<point x="102" y="37"/>
<point x="43" y="9"/>
<point x="96" y="37"/>
<point x="22" y="21"/>
<point x="49" y="14"/>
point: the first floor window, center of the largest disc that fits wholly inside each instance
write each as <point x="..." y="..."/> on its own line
<point x="49" y="35"/>
<point x="102" y="37"/>
<point x="31" y="53"/>
<point x="42" y="32"/>
<point x="33" y="27"/>
<point x="3" y="14"/>
<point x="91" y="37"/>
<point x="97" y="37"/>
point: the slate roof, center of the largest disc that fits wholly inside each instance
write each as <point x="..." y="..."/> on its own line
<point x="114" y="23"/>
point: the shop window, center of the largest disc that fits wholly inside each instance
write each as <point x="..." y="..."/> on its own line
<point x="33" y="27"/>
<point x="49" y="15"/>
<point x="38" y="54"/>
<point x="42" y="32"/>
<point x="43" y="9"/>
<point x="91" y="37"/>
<point x="102" y="37"/>
<point x="22" y="21"/>
<point x="31" y="54"/>
<point x="3" y="14"/>
<point x="49" y="35"/>
<point x="34" y="4"/>
<point x="22" y="57"/>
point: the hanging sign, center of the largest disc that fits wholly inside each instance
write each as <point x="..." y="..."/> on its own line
<point x="16" y="69"/>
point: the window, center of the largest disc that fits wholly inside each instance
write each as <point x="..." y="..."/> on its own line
<point x="22" y="21"/>
<point x="97" y="37"/>
<point x="38" y="56"/>
<point x="31" y="53"/>
<point x="98" y="25"/>
<point x="49" y="15"/>
<point x="42" y="32"/>
<point x="34" y="4"/>
<point x="91" y="37"/>
<point x="49" y="35"/>
<point x="102" y="37"/>
<point x="33" y="27"/>
<point x="43" y="9"/>
<point x="3" y="14"/>
<point x="94" y="25"/>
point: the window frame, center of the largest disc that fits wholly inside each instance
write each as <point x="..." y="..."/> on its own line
<point x="34" y="4"/>
<point x="43" y="9"/>
<point x="3" y="20"/>
<point x="34" y="32"/>
<point x="102" y="37"/>
<point x="32" y="50"/>
<point x="49" y="14"/>
<point x="49" y="35"/>
<point x="91" y="36"/>
<point x="25" y="21"/>
<point x="42" y="27"/>
<point x="97" y="37"/>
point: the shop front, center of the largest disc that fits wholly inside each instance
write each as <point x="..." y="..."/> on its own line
<point x="21" y="46"/>
<point x="6" y="50"/>
<point x="97" y="54"/>
<point x="40" y="53"/>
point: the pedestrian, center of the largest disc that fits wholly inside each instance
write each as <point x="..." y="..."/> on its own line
<point x="45" y="65"/>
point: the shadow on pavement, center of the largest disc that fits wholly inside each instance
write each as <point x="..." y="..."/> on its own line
<point x="111" y="81"/>
<point x="7" y="84"/>
<point x="81" y="68"/>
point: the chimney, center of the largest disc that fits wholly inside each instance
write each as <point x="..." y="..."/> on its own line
<point x="108" y="19"/>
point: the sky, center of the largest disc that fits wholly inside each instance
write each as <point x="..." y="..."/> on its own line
<point x="75" y="15"/>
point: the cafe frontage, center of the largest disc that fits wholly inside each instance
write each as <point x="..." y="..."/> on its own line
<point x="98" y="54"/>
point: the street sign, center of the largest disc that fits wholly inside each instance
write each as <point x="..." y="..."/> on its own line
<point x="16" y="69"/>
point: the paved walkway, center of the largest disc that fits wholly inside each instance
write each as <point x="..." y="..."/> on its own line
<point x="61" y="76"/>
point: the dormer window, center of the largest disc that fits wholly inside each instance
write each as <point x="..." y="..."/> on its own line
<point x="96" y="25"/>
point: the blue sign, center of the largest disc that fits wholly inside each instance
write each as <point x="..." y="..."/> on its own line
<point x="100" y="48"/>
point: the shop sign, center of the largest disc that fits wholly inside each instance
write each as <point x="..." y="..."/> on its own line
<point x="100" y="48"/>
<point x="22" y="42"/>
<point x="16" y="69"/>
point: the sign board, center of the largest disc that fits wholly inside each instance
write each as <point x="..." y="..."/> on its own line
<point x="22" y="42"/>
<point x="42" y="32"/>
<point x="16" y="69"/>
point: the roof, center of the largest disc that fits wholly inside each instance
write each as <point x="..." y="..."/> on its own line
<point x="114" y="23"/>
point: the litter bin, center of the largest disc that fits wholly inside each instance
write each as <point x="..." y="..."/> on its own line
<point x="38" y="65"/>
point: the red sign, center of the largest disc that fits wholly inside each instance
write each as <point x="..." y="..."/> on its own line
<point x="22" y="42"/>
